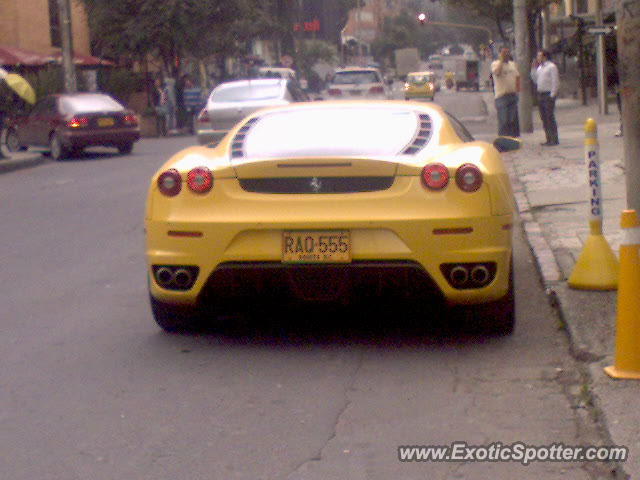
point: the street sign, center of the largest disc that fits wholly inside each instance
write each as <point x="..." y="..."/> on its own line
<point x="600" y="30"/>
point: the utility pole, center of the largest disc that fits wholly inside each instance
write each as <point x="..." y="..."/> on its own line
<point x="600" y="63"/>
<point x="64" y="9"/>
<point x="521" y="30"/>
<point x="628" y="20"/>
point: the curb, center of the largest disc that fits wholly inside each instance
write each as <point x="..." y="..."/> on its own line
<point x="13" y="164"/>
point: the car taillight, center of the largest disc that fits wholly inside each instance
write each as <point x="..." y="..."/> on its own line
<point x="435" y="176"/>
<point x="130" y="119"/>
<point x="170" y="182"/>
<point x="78" y="122"/>
<point x="469" y="178"/>
<point x="376" y="90"/>
<point x="203" y="116"/>
<point x="200" y="180"/>
<point x="335" y="92"/>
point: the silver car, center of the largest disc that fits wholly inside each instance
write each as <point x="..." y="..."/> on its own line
<point x="353" y="83"/>
<point x="230" y="102"/>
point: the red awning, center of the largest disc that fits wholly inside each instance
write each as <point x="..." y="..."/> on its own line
<point x="84" y="60"/>
<point x="14" y="56"/>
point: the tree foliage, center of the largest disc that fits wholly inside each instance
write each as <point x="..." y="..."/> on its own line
<point x="499" y="11"/>
<point x="171" y="29"/>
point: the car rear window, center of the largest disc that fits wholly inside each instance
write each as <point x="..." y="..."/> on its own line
<point x="242" y="93"/>
<point x="89" y="103"/>
<point x="420" y="79"/>
<point x="356" y="77"/>
<point x="334" y="131"/>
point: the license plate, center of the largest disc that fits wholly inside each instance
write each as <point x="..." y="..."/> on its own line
<point x="106" y="122"/>
<point x="333" y="246"/>
<point x="356" y="92"/>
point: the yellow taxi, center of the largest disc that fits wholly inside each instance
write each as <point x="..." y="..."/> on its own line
<point x="334" y="201"/>
<point x="420" y="85"/>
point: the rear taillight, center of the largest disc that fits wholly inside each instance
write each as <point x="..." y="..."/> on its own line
<point x="336" y="92"/>
<point x="203" y="116"/>
<point x="78" y="122"/>
<point x="170" y="182"/>
<point x="130" y="119"/>
<point x="435" y="176"/>
<point x="376" y="90"/>
<point x="469" y="178"/>
<point x="200" y="180"/>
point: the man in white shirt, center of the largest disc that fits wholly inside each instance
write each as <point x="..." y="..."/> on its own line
<point x="544" y="74"/>
<point x="506" y="85"/>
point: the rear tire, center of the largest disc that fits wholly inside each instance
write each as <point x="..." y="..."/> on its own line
<point x="498" y="317"/>
<point x="125" y="148"/>
<point x="57" y="150"/>
<point x="13" y="141"/>
<point x="174" y="318"/>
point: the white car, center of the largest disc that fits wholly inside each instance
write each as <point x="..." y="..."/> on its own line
<point x="353" y="83"/>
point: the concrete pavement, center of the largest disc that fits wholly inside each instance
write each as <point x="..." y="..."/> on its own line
<point x="19" y="160"/>
<point x="551" y="191"/>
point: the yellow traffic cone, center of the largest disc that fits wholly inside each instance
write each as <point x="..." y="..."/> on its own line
<point x="597" y="265"/>
<point x="627" y="356"/>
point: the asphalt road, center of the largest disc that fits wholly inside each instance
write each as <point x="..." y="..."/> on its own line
<point x="90" y="388"/>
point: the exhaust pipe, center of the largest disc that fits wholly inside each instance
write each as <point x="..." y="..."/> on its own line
<point x="182" y="278"/>
<point x="164" y="276"/>
<point x="458" y="276"/>
<point x="480" y="275"/>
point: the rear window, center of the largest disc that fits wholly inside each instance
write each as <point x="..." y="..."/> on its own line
<point x="89" y="104"/>
<point x="249" y="92"/>
<point x="335" y="131"/>
<point x="420" y="79"/>
<point x="355" y="77"/>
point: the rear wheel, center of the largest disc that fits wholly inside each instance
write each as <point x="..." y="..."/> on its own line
<point x="125" y="148"/>
<point x="13" y="141"/>
<point x="174" y="318"/>
<point x="498" y="317"/>
<point x="56" y="148"/>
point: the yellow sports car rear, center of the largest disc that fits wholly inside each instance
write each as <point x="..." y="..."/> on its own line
<point x="332" y="200"/>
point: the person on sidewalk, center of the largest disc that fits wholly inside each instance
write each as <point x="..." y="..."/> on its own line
<point x="506" y="86"/>
<point x="544" y="74"/>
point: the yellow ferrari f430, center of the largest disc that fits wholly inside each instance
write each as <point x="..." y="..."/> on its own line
<point x="323" y="201"/>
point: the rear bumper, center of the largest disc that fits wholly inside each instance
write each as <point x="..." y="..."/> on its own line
<point x="237" y="257"/>
<point x="113" y="137"/>
<point x="208" y="135"/>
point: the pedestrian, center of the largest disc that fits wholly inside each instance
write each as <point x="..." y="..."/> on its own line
<point x="544" y="74"/>
<point x="192" y="99"/>
<point x="172" y="105"/>
<point x="613" y="78"/>
<point x="506" y="86"/>
<point x="161" y="101"/>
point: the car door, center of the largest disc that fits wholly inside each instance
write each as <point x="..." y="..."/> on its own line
<point x="50" y="119"/>
<point x="27" y="129"/>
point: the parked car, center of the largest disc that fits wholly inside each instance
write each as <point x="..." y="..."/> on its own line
<point x="333" y="201"/>
<point x="420" y="85"/>
<point x="65" y="124"/>
<point x="357" y="83"/>
<point x="229" y="102"/>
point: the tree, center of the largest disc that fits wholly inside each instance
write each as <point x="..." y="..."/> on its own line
<point x="169" y="29"/>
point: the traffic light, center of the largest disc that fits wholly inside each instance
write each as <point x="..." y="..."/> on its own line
<point x="422" y="18"/>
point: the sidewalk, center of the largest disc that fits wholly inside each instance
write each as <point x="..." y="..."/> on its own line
<point x="19" y="160"/>
<point x="550" y="185"/>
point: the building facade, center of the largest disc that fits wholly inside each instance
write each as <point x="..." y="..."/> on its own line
<point x="34" y="25"/>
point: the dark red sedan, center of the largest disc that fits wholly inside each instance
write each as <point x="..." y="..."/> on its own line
<point x="65" y="124"/>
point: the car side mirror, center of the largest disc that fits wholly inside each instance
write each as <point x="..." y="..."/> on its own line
<point x="507" y="144"/>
